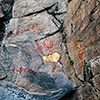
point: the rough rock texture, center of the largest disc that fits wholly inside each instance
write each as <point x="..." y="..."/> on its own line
<point x="32" y="32"/>
<point x="81" y="60"/>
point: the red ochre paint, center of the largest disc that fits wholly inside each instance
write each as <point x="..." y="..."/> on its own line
<point x="27" y="29"/>
<point x="21" y="69"/>
<point x="38" y="47"/>
<point x="26" y="71"/>
<point x="80" y="56"/>
<point x="48" y="43"/>
<point x="34" y="27"/>
<point x="80" y="52"/>
<point x="17" y="32"/>
<point x="15" y="69"/>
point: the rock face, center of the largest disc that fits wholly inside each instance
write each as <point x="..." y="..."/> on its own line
<point x="81" y="60"/>
<point x="31" y="35"/>
<point x="49" y="49"/>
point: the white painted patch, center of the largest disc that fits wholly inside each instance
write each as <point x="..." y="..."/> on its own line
<point x="95" y="61"/>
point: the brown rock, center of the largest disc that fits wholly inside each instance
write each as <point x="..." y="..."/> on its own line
<point x="96" y="81"/>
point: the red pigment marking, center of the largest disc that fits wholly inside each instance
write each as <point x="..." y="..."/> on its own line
<point x="48" y="44"/>
<point x="29" y="70"/>
<point x="17" y="32"/>
<point x="15" y="69"/>
<point x="35" y="69"/>
<point x="80" y="56"/>
<point x="6" y="34"/>
<point x="27" y="29"/>
<point x="21" y="69"/>
<point x="80" y="52"/>
<point x="38" y="47"/>
<point x="33" y="27"/>
<point x="26" y="71"/>
<point x="21" y="30"/>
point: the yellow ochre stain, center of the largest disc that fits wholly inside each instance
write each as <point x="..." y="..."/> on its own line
<point x="52" y="57"/>
<point x="80" y="52"/>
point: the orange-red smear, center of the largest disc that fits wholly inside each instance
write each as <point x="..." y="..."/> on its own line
<point x="80" y="52"/>
<point x="38" y="47"/>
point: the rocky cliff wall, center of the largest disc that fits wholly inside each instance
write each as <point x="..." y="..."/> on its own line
<point x="81" y="60"/>
<point x="49" y="49"/>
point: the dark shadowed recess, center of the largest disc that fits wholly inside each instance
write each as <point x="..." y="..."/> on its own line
<point x="69" y="1"/>
<point x="69" y="95"/>
<point x="6" y="7"/>
<point x="2" y="28"/>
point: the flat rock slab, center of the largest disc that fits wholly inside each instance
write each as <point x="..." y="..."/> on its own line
<point x="22" y="7"/>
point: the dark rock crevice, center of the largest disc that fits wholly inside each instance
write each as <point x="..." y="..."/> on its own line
<point x="47" y="35"/>
<point x="6" y="8"/>
<point x="82" y="27"/>
<point x="64" y="40"/>
<point x="59" y="24"/>
<point x="2" y="28"/>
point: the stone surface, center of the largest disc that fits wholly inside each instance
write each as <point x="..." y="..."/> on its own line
<point x="82" y="47"/>
<point x="97" y="81"/>
<point x="22" y="8"/>
<point x="49" y="49"/>
<point x="32" y="32"/>
<point x="78" y="94"/>
<point x="3" y="73"/>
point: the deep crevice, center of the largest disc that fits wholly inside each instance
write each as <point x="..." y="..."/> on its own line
<point x="37" y="12"/>
<point x="47" y="35"/>
<point x="71" y="61"/>
<point x="2" y="28"/>
<point x="7" y="16"/>
<point x="69" y="1"/>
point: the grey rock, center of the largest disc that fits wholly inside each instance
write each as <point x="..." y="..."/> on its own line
<point x="29" y="76"/>
<point x="22" y="8"/>
<point x="3" y="73"/>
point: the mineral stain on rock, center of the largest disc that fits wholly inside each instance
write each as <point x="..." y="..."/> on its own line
<point x="38" y="47"/>
<point x="48" y="44"/>
<point x="32" y="28"/>
<point x="49" y="49"/>
<point x="24" y="71"/>
<point x="52" y="57"/>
